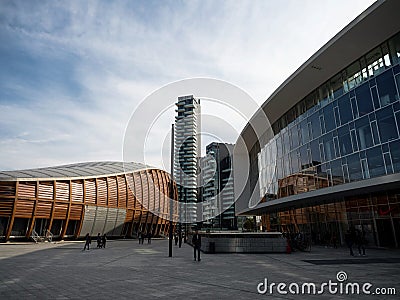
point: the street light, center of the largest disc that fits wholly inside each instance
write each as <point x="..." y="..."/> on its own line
<point x="171" y="194"/>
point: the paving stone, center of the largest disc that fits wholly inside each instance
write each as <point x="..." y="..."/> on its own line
<point x="127" y="270"/>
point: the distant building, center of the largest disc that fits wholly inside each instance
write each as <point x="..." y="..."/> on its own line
<point x="217" y="187"/>
<point x="187" y="152"/>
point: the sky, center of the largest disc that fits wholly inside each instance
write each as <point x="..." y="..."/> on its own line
<point x="72" y="73"/>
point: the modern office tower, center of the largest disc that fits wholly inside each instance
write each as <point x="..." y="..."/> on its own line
<point x="186" y="155"/>
<point x="217" y="187"/>
<point x="333" y="159"/>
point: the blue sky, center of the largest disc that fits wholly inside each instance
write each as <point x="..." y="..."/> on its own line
<point x="72" y="72"/>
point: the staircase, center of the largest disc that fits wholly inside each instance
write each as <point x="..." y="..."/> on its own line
<point x="35" y="236"/>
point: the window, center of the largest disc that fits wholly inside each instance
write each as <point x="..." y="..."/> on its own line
<point x="375" y="135"/>
<point x="344" y="141"/>
<point x="295" y="162"/>
<point x="386" y="88"/>
<point x="374" y="61"/>
<point x="354" y="107"/>
<point x="345" y="109"/>
<point x="375" y="98"/>
<point x="394" y="46"/>
<point x="336" y="146"/>
<point x="364" y="100"/>
<point x="336" y="85"/>
<point x="304" y="132"/>
<point x="294" y="137"/>
<point x="336" y="170"/>
<point x="364" y="133"/>
<point x="329" y="118"/>
<point x="354" y="75"/>
<point x="398" y="84"/>
<point x="305" y="160"/>
<point x="316" y="126"/>
<point x="364" y="168"/>
<point x="354" y="166"/>
<point x="388" y="163"/>
<point x="345" y="170"/>
<point x="315" y="153"/>
<point x="395" y="154"/>
<point x="354" y="139"/>
<point x="329" y="149"/>
<point x="375" y="162"/>
<point x="322" y="123"/>
<point x="386" y="124"/>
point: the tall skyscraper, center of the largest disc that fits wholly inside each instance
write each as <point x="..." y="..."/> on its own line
<point x="217" y="187"/>
<point x="187" y="153"/>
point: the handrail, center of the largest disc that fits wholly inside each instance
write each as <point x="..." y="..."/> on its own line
<point x="49" y="236"/>
<point x="35" y="236"/>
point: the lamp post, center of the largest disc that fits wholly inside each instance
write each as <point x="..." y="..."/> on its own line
<point x="171" y="195"/>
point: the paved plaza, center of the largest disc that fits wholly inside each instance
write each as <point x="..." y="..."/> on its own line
<point x="127" y="270"/>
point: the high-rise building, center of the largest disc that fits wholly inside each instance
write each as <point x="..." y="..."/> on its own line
<point x="217" y="187"/>
<point x="187" y="153"/>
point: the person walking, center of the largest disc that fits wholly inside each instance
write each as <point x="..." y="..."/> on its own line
<point x="88" y="241"/>
<point x="139" y="236"/>
<point x="196" y="241"/>
<point x="142" y="238"/>
<point x="349" y="239"/>
<point x="149" y="238"/>
<point x="360" y="241"/>
<point x="180" y="239"/>
<point x="98" y="240"/>
<point x="104" y="240"/>
<point x="176" y="239"/>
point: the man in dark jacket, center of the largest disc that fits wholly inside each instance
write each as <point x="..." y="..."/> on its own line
<point x="87" y="241"/>
<point x="196" y="241"/>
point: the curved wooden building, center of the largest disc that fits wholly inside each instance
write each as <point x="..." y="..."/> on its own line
<point x="95" y="197"/>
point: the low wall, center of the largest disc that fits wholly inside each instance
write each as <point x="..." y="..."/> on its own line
<point x="269" y="242"/>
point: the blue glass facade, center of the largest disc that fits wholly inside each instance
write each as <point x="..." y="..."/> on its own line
<point x="346" y="130"/>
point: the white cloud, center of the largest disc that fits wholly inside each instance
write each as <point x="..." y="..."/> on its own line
<point x="120" y="52"/>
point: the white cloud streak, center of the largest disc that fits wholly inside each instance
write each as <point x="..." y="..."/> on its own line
<point x="120" y="51"/>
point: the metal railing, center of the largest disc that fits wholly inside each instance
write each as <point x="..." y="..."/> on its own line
<point x="37" y="238"/>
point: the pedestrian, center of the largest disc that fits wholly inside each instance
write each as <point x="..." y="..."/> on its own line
<point x="196" y="241"/>
<point x="88" y="241"/>
<point x="349" y="239"/>
<point x="176" y="239"/>
<point x="98" y="240"/>
<point x="149" y="238"/>
<point x="180" y="239"/>
<point x="104" y="240"/>
<point x="334" y="240"/>
<point x="360" y="241"/>
<point x="143" y="236"/>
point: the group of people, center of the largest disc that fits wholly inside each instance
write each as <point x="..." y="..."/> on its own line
<point x="101" y="241"/>
<point x="357" y="237"/>
<point x="141" y="236"/>
<point x="178" y="238"/>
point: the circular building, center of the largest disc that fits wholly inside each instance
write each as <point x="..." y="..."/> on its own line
<point x="113" y="198"/>
<point x="330" y="160"/>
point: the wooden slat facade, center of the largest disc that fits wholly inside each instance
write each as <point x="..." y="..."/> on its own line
<point x="56" y="203"/>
